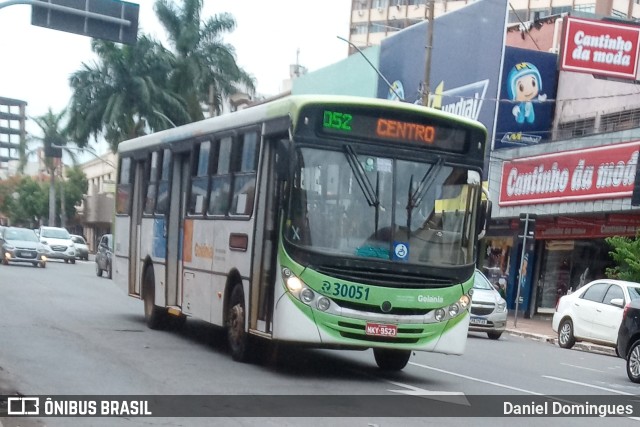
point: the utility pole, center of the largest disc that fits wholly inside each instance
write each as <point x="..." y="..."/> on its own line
<point x="427" y="72"/>
<point x="529" y="223"/>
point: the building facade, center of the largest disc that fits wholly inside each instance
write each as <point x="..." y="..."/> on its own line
<point x="98" y="205"/>
<point x="374" y="20"/>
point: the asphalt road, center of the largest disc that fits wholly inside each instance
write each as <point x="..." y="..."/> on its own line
<point x="64" y="331"/>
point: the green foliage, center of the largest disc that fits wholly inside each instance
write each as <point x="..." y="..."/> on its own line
<point x="75" y="187"/>
<point x="24" y="201"/>
<point x="626" y="254"/>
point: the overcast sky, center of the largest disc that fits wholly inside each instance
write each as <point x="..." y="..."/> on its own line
<point x="35" y="62"/>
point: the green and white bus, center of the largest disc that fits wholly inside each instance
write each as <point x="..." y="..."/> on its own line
<point x="328" y="221"/>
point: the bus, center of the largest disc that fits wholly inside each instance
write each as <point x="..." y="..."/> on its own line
<point x="327" y="221"/>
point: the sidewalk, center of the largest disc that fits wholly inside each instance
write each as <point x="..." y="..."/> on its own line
<point x="539" y="328"/>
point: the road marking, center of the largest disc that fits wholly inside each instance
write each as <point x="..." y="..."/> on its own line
<point x="587" y="385"/>
<point x="582" y="367"/>
<point x="476" y="379"/>
<point x="456" y="397"/>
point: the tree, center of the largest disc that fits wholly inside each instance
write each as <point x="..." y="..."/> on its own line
<point x="53" y="134"/>
<point x="626" y="254"/>
<point x="124" y="94"/>
<point x="26" y="202"/>
<point x="76" y="186"/>
<point x="205" y="65"/>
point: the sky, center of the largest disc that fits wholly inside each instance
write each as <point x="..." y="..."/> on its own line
<point x="35" y="62"/>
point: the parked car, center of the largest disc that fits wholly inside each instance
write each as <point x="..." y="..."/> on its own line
<point x="104" y="254"/>
<point x="22" y="245"/>
<point x="593" y="313"/>
<point x="59" y="240"/>
<point x="488" y="308"/>
<point x="629" y="339"/>
<point x="82" y="250"/>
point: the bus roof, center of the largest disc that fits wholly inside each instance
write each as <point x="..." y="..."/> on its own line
<point x="287" y="106"/>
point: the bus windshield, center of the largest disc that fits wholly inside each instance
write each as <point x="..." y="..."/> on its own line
<point x="348" y="203"/>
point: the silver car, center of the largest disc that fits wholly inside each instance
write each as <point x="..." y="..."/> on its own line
<point x="22" y="245"/>
<point x="488" y="308"/>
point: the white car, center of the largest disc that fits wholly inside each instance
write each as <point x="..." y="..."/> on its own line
<point x="488" y="308"/>
<point x="59" y="241"/>
<point x="593" y="313"/>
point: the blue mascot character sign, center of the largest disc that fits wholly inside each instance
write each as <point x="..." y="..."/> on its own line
<point x="524" y="85"/>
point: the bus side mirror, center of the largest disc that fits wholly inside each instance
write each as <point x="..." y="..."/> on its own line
<point x="283" y="162"/>
<point x="484" y="215"/>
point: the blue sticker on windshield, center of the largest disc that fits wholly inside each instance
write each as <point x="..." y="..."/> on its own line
<point x="400" y="251"/>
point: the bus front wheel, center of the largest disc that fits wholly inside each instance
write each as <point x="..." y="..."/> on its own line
<point x="237" y="336"/>
<point x="154" y="316"/>
<point x="391" y="360"/>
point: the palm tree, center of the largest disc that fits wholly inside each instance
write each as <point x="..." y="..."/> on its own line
<point x="206" y="70"/>
<point x="53" y="135"/>
<point x="125" y="94"/>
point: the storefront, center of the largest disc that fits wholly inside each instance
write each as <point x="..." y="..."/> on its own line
<point x="581" y="196"/>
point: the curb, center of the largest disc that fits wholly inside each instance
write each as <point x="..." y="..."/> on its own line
<point x="583" y="346"/>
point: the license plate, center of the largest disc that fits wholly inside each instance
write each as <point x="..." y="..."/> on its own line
<point x="380" y="330"/>
<point x="478" y="321"/>
<point x="25" y="254"/>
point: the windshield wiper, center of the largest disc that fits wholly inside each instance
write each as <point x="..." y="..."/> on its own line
<point x="414" y="199"/>
<point x="365" y="184"/>
<point x="425" y="183"/>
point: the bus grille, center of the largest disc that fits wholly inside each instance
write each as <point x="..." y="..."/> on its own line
<point x="377" y="310"/>
<point x="388" y="278"/>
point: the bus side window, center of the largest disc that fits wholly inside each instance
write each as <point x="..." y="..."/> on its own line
<point x="123" y="200"/>
<point x="163" y="185"/>
<point x="152" y="184"/>
<point x="220" y="187"/>
<point x="244" y="182"/>
<point x="199" y="177"/>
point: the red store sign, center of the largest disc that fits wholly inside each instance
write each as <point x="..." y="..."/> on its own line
<point x="587" y="228"/>
<point x="605" y="172"/>
<point x="600" y="47"/>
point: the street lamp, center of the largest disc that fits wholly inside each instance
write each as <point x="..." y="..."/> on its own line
<point x="88" y="150"/>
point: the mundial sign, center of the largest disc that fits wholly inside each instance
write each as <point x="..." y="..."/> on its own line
<point x="600" y="47"/>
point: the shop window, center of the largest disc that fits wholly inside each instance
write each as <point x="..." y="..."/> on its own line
<point x="577" y="128"/>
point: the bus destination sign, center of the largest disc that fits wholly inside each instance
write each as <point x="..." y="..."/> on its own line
<point x="412" y="129"/>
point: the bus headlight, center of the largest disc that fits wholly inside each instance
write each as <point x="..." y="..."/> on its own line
<point x="440" y="314"/>
<point x="323" y="303"/>
<point x="307" y="295"/>
<point x="464" y="302"/>
<point x="293" y="284"/>
<point x="454" y="309"/>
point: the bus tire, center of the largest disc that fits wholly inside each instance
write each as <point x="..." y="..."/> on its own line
<point x="391" y="360"/>
<point x="237" y="337"/>
<point x="154" y="316"/>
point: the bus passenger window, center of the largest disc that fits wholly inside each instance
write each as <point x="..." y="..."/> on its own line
<point x="163" y="185"/>
<point x="220" y="185"/>
<point x="152" y="186"/>
<point x="245" y="177"/>
<point x="123" y="197"/>
<point x="199" y="178"/>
